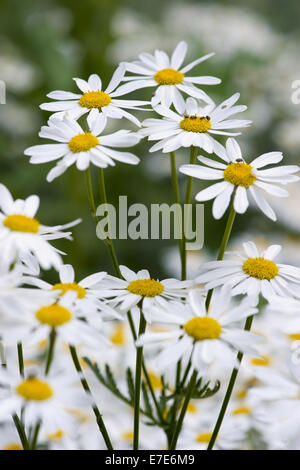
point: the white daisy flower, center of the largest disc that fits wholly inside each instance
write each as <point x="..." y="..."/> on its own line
<point x="82" y="148"/>
<point x="92" y="98"/>
<point x="43" y="398"/>
<point x="203" y="337"/>
<point x="22" y="234"/>
<point x="253" y="273"/>
<point x="196" y="126"/>
<point x="168" y="76"/>
<point x="281" y="393"/>
<point x="140" y="287"/>
<point x="88" y="297"/>
<point x="240" y="178"/>
<point x="33" y="325"/>
<point x="9" y="438"/>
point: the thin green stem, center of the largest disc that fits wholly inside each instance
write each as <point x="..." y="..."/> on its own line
<point x="179" y="423"/>
<point x="86" y="387"/>
<point x="176" y="193"/>
<point x="21" y="432"/>
<point x="21" y="359"/>
<point x="91" y="194"/>
<point x="109" y="241"/>
<point x="35" y="436"/>
<point x="145" y="372"/>
<point x="137" y="385"/>
<point x="188" y="196"/>
<point x="52" y="340"/>
<point x="229" y="390"/>
<point x="224" y="243"/>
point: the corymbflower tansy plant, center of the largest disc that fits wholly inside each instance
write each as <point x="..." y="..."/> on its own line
<point x="160" y="348"/>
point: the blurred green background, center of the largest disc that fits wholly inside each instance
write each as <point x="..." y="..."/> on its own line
<point x="46" y="43"/>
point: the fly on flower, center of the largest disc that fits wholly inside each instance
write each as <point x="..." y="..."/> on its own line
<point x="92" y="97"/>
<point x="82" y="148"/>
<point x="241" y="178"/>
<point x="168" y="76"/>
<point x="21" y="233"/>
<point x="194" y="127"/>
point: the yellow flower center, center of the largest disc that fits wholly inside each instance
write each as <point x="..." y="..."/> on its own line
<point x="260" y="268"/>
<point x="34" y="389"/>
<point x="168" y="77"/>
<point x="204" y="437"/>
<point x="13" y="446"/>
<point x="195" y="124"/>
<point x="200" y="328"/>
<point x="155" y="381"/>
<point x="118" y="336"/>
<point x="294" y="336"/>
<point x="242" y="393"/>
<point x="239" y="174"/>
<point x="56" y="436"/>
<point x="83" y="142"/>
<point x="53" y="315"/>
<point x="94" y="99"/>
<point x="67" y="286"/>
<point x="127" y="435"/>
<point x="191" y="408"/>
<point x="263" y="361"/>
<point x="242" y="410"/>
<point x="21" y="223"/>
<point x="146" y="287"/>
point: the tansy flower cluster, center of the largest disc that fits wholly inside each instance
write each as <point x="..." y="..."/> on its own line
<point x="99" y="362"/>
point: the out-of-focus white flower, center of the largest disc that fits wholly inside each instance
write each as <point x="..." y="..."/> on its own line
<point x="21" y="234"/>
<point x="43" y="397"/>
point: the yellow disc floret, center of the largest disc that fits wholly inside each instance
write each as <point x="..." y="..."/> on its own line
<point x="53" y="315"/>
<point x="204" y="437"/>
<point x="21" y="223"/>
<point x="195" y="124"/>
<point x="146" y="287"/>
<point x="94" y="99"/>
<point x="118" y="336"/>
<point x="242" y="410"/>
<point x="67" y="286"/>
<point x="34" y="389"/>
<point x="13" y="446"/>
<point x="239" y="174"/>
<point x="261" y="361"/>
<point x="168" y="77"/>
<point x="260" y="268"/>
<point x="200" y="328"/>
<point x="83" y="142"/>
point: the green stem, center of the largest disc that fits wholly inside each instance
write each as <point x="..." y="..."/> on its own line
<point x="145" y="372"/>
<point x="91" y="194"/>
<point x="52" y="340"/>
<point x="179" y="423"/>
<point x="20" y="359"/>
<point x="21" y="432"/>
<point x="175" y="185"/>
<point x="137" y="385"/>
<point x="188" y="196"/>
<point x="35" y="436"/>
<point x="86" y="387"/>
<point x="109" y="243"/>
<point x="227" y="397"/>
<point x="224" y="243"/>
